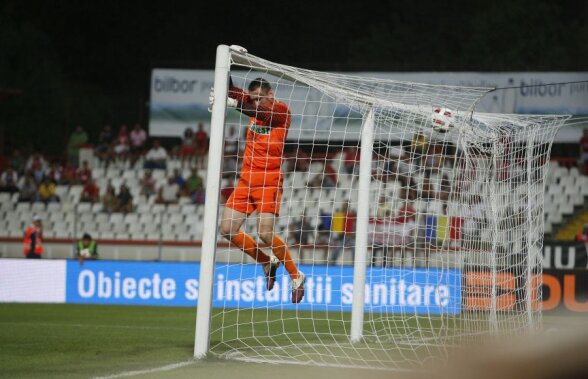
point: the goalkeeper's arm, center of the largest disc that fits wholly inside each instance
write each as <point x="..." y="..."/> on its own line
<point x="276" y="114"/>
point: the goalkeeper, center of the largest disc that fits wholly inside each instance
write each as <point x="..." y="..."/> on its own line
<point x="260" y="184"/>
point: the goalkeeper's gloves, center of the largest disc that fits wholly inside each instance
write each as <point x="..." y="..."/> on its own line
<point x="231" y="103"/>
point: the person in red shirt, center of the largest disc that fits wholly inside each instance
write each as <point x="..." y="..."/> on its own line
<point x="260" y="185"/>
<point x="84" y="173"/>
<point x="90" y="193"/>
<point x="32" y="246"/>
<point x="200" y="145"/>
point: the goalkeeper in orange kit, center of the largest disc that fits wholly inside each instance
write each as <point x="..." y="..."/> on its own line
<point x="260" y="185"/>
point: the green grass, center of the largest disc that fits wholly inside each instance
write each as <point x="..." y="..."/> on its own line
<point x="67" y="340"/>
<point x="84" y="340"/>
<point x="80" y="341"/>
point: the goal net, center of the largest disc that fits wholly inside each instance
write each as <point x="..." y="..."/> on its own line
<point x="417" y="222"/>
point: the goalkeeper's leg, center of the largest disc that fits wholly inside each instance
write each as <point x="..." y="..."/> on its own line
<point x="231" y="230"/>
<point x="280" y="250"/>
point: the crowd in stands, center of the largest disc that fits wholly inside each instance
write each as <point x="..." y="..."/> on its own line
<point x="34" y="178"/>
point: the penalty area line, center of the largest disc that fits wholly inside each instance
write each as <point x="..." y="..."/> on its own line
<point x="169" y="367"/>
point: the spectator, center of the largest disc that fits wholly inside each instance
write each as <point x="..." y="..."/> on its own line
<point x="327" y="178"/>
<point x="418" y="147"/>
<point x="444" y="188"/>
<point x="300" y="232"/>
<point x="46" y="192"/>
<point x="350" y="159"/>
<point x="87" y="249"/>
<point x="37" y="165"/>
<point x="427" y="190"/>
<point x="345" y="237"/>
<point x="17" y="162"/>
<point x="109" y="200"/>
<point x="148" y="184"/>
<point x="379" y="240"/>
<point x="124" y="200"/>
<point x="68" y="174"/>
<point x="90" y="193"/>
<point x="323" y="234"/>
<point x="27" y="187"/>
<point x="169" y="192"/>
<point x="55" y="172"/>
<point x="584" y="153"/>
<point x="121" y="145"/>
<point x="33" y="245"/>
<point x="194" y="182"/>
<point x="179" y="179"/>
<point x="199" y="195"/>
<point x="9" y="181"/>
<point x="138" y="138"/>
<point x="474" y="220"/>
<point x="76" y="140"/>
<point x="104" y="150"/>
<point x="201" y="145"/>
<point x="384" y="208"/>
<point x="188" y="148"/>
<point x="84" y="173"/>
<point x="156" y="158"/>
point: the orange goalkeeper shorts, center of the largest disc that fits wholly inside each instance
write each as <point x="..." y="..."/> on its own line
<point x="247" y="199"/>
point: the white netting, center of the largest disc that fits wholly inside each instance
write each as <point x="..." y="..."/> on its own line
<point x="455" y="222"/>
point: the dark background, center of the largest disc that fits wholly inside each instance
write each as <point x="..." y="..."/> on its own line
<point x="89" y="62"/>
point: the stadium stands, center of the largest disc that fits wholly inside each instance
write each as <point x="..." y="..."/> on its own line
<point x="565" y="190"/>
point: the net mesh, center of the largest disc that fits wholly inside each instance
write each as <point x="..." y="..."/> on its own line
<point x="455" y="223"/>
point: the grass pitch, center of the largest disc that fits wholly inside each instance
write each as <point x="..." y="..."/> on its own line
<point x="83" y="341"/>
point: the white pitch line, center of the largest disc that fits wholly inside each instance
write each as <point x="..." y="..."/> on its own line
<point x="93" y="325"/>
<point x="169" y="367"/>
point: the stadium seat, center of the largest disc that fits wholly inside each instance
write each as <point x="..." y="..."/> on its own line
<point x="67" y="206"/>
<point x="23" y="207"/>
<point x="62" y="192"/>
<point x="158" y="208"/>
<point x="145" y="218"/>
<point x="97" y="207"/>
<point x="173" y="218"/>
<point x="188" y="209"/>
<point x="116" y="218"/>
<point x="173" y="208"/>
<point x="119" y="228"/>
<point x="135" y="228"/>
<point x="137" y="236"/>
<point x="152" y="229"/>
<point x="86" y="217"/>
<point x="144" y="208"/>
<point x="84" y="207"/>
<point x="53" y="207"/>
<point x="184" y="200"/>
<point x="73" y="195"/>
<point x="5" y="197"/>
<point x="106" y="235"/>
<point x="131" y="219"/>
<point x="101" y="217"/>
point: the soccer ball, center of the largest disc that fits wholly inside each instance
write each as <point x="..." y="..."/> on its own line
<point x="85" y="253"/>
<point x="442" y="119"/>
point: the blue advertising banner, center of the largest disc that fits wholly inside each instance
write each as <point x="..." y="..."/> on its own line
<point x="407" y="290"/>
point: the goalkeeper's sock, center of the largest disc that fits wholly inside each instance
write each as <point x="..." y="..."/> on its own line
<point x="281" y="251"/>
<point x="246" y="243"/>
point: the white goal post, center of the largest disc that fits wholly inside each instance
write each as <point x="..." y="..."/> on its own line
<point x="417" y="222"/>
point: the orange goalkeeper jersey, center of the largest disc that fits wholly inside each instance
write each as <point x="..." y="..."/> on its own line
<point x="264" y="147"/>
